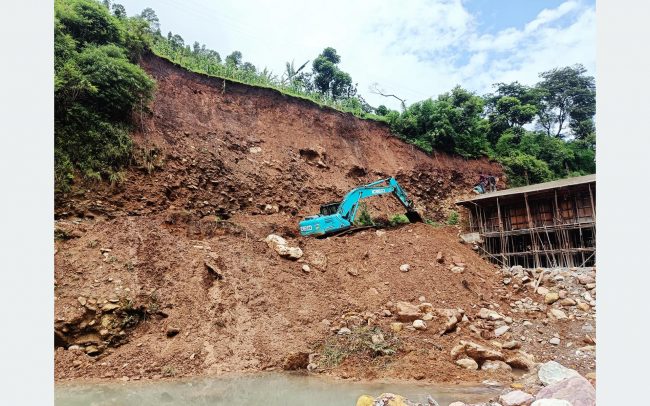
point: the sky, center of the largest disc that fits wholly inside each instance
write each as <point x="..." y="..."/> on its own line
<point x="415" y="49"/>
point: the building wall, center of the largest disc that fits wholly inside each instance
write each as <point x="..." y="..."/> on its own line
<point x="547" y="228"/>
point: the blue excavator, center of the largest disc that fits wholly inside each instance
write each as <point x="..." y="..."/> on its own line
<point x="337" y="217"/>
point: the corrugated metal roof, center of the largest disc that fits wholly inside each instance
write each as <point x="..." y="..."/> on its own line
<point x="578" y="180"/>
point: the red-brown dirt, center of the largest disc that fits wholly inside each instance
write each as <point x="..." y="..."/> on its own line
<point x="168" y="274"/>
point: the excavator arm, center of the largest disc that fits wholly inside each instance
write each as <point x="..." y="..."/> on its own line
<point x="350" y="204"/>
<point x="343" y="218"/>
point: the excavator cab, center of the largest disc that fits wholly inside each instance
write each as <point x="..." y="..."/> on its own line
<point x="329" y="208"/>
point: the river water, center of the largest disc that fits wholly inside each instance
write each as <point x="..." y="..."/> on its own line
<point x="268" y="389"/>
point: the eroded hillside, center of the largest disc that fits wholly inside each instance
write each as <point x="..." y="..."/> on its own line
<point x="168" y="273"/>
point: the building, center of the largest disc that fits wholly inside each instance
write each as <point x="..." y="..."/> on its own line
<point x="545" y="225"/>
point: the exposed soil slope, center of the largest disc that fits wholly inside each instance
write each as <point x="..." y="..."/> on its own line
<point x="168" y="274"/>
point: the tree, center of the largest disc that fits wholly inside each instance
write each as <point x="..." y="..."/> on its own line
<point x="248" y="67"/>
<point x="149" y="15"/>
<point x="118" y="11"/>
<point x="329" y="79"/>
<point x="234" y="59"/>
<point x="512" y="105"/>
<point x="567" y="96"/>
<point x="381" y="110"/>
<point x="88" y="22"/>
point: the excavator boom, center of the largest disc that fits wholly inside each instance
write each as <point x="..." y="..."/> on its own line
<point x="330" y="221"/>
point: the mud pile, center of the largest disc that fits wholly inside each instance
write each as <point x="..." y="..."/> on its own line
<point x="168" y="274"/>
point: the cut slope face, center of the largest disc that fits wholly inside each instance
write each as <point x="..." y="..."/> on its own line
<point x="224" y="147"/>
<point x="168" y="274"/>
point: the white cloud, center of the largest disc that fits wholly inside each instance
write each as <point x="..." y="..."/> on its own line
<point x="416" y="49"/>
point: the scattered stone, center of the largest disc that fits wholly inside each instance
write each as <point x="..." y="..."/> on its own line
<point x="74" y="348"/>
<point x="377" y="338"/>
<point x="542" y="291"/>
<point x="567" y="302"/>
<point x="551" y="297"/>
<point x="516" y="398"/>
<point x="352" y="271"/>
<point x="92" y="350"/>
<point x="508" y="320"/>
<point x="554" y="341"/>
<point x="488" y="314"/>
<point x="501" y="331"/>
<point x="553" y="372"/>
<point x="404" y="267"/>
<point x="344" y="331"/>
<point x="373" y="291"/>
<point x="584" y="306"/>
<point x="511" y="345"/>
<point x="557" y="314"/>
<point x="457" y="269"/>
<point x="467" y="363"/>
<point x="82" y="300"/>
<point x="495" y="366"/>
<point x="172" y="331"/>
<point x="108" y="307"/>
<point x="586" y="279"/>
<point x="576" y="389"/>
<point x="306" y="268"/>
<point x="255" y="150"/>
<point x="396" y="327"/>
<point x="527" y="323"/>
<point x="407" y="312"/>
<point x="439" y="258"/>
<point x="76" y="363"/>
<point x="419" y="325"/>
<point x="427" y="317"/>
<point x="387" y="313"/>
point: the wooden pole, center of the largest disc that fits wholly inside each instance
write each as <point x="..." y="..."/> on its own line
<point x="533" y="242"/>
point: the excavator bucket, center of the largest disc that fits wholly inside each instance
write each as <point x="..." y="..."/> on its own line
<point x="414" y="216"/>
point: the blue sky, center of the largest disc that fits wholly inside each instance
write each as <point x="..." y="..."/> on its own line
<point x="415" y="49"/>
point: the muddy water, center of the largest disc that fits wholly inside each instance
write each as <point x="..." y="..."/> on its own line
<point x="262" y="389"/>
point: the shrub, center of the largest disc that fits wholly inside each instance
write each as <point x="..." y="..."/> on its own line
<point x="399" y="219"/>
<point x="452" y="220"/>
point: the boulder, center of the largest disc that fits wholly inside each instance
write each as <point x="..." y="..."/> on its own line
<point x="495" y="366"/>
<point x="385" y="399"/>
<point x="516" y="398"/>
<point x="295" y="360"/>
<point x="467" y="363"/>
<point x="281" y="246"/>
<point x="407" y="312"/>
<point x="521" y="360"/>
<point x="551" y="402"/>
<point x="553" y="372"/>
<point x="577" y="390"/>
<point x="480" y="352"/>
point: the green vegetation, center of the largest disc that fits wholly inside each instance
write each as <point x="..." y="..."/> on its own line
<point x="399" y="219"/>
<point x="364" y="218"/>
<point x="99" y="87"/>
<point x="358" y="342"/>
<point x="452" y="219"/>
<point x="561" y="106"/>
